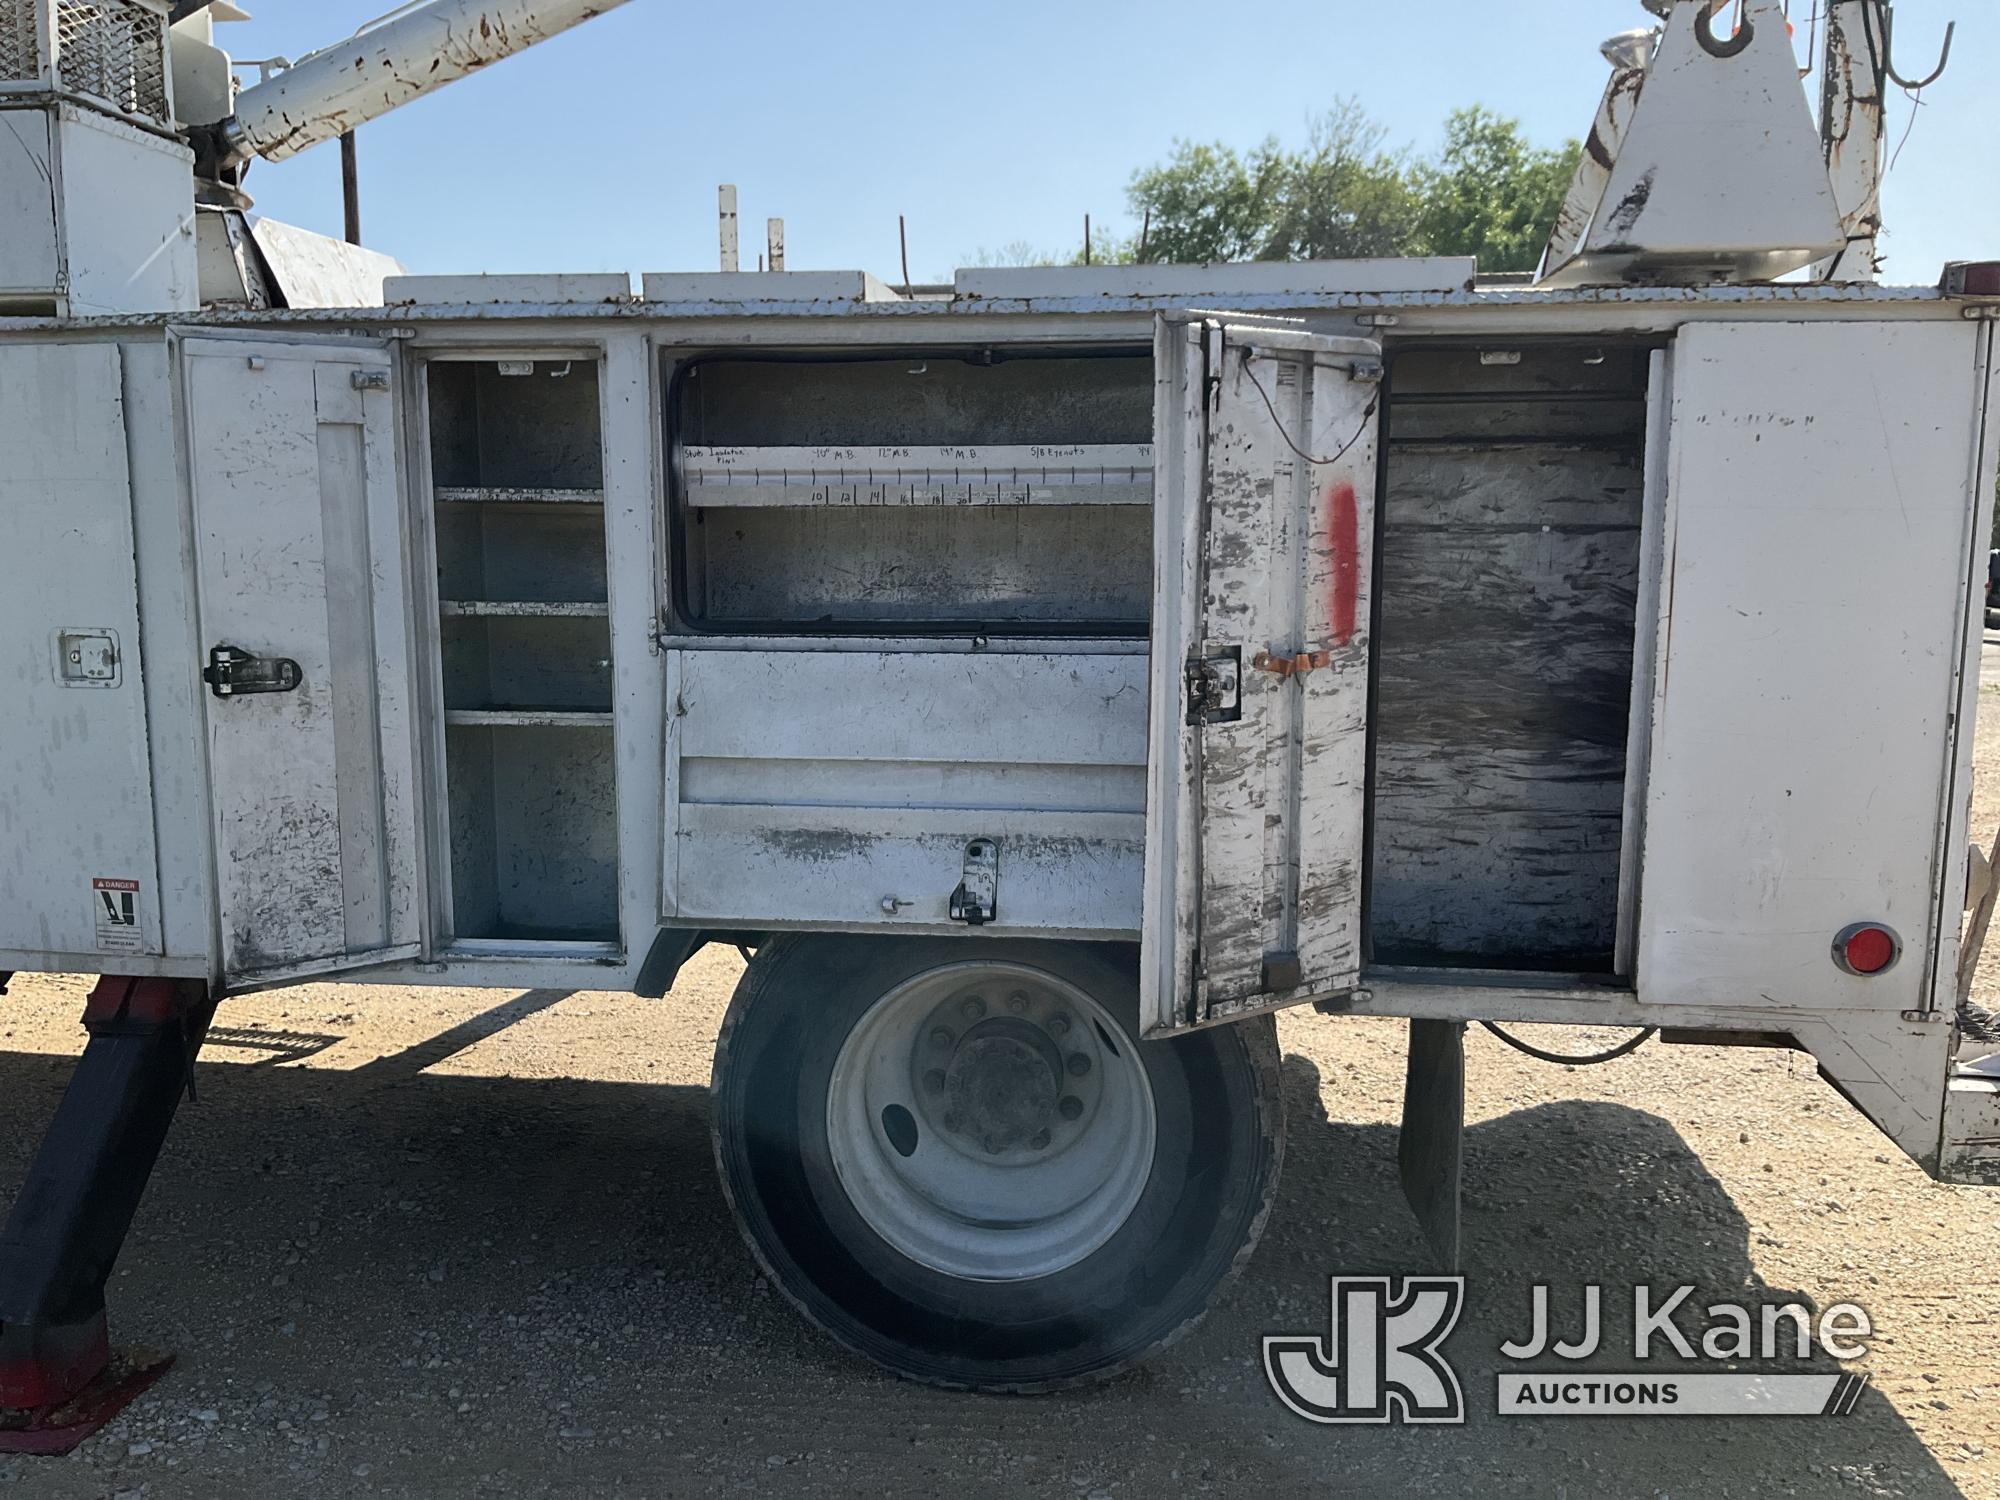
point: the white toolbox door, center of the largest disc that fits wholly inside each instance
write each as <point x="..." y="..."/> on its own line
<point x="77" y="869"/>
<point x="1819" y="569"/>
<point x="299" y="557"/>
<point x="1265" y="444"/>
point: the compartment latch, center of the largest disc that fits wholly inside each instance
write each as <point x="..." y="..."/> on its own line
<point x="1215" y="688"/>
<point x="977" y="899"/>
<point x="231" y="673"/>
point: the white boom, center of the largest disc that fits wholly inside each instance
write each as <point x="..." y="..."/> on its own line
<point x="409" y="55"/>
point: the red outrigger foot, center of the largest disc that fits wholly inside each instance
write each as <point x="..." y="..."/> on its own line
<point x="55" y="1430"/>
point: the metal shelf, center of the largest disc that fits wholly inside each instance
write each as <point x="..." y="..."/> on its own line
<point x="528" y="718"/>
<point x="504" y="495"/>
<point x="967" y="475"/>
<point x="515" y="609"/>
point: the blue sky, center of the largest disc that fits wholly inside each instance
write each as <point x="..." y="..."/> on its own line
<point x="988" y="123"/>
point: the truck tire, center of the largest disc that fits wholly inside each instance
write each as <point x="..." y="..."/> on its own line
<point x="956" y="1157"/>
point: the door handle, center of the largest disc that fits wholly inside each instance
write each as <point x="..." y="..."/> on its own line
<point x="231" y="673"/>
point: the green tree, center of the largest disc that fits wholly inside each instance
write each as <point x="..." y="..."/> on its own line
<point x="1490" y="194"/>
<point x="1341" y="196"/>
<point x="1210" y="203"/>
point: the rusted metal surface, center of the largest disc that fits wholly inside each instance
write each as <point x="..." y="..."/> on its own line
<point x="1851" y="126"/>
<point x="1593" y="169"/>
<point x="338" y="88"/>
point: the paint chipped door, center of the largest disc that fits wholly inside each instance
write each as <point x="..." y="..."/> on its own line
<point x="1264" y="498"/>
<point x="300" y="564"/>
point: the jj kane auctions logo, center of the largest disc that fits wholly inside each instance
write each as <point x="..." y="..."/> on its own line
<point x="1381" y="1359"/>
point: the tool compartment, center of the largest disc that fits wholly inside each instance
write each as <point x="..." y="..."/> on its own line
<point x="524" y="651"/>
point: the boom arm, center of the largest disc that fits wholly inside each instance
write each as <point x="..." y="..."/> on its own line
<point x="416" y="51"/>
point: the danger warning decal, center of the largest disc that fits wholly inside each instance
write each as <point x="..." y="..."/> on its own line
<point x="114" y="906"/>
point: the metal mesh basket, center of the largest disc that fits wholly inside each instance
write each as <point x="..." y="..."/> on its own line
<point x="115" y="51"/>
<point x="20" y="57"/>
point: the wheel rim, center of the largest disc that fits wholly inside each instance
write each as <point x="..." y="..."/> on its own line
<point x="990" y="1121"/>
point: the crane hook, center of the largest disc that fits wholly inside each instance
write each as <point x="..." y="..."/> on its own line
<point x="1714" y="45"/>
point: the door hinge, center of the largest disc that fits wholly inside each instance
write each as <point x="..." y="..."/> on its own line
<point x="1215" y="688"/>
<point x="231" y="673"/>
<point x="977" y="899"/>
<point x="369" y="380"/>
<point x="1293" y="664"/>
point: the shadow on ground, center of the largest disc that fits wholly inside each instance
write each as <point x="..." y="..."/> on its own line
<point x="443" y="1284"/>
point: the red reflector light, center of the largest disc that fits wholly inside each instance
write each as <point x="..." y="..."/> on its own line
<point x="1866" y="948"/>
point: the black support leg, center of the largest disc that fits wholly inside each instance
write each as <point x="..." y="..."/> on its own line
<point x="1433" y="1136"/>
<point x="58" y="1381"/>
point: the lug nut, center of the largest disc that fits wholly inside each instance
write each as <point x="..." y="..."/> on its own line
<point x="934" y="1081"/>
<point x="954" y="1121"/>
<point x="1069" y="1107"/>
<point x="1058" y="1024"/>
<point x="1017" y="1002"/>
<point x="1041" y="1141"/>
<point x="973" y="1007"/>
<point x="941" y="1037"/>
<point x="1078" y="1064"/>
<point x="992" y="1146"/>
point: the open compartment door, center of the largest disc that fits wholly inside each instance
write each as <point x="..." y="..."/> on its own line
<point x="1819" y="553"/>
<point x="1802" y="866"/>
<point x="1265" y="441"/>
<point x="305" y="655"/>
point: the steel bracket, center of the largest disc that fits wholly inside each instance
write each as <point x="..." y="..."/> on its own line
<point x="977" y="899"/>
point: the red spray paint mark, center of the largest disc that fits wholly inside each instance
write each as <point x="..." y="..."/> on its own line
<point x="1343" y="539"/>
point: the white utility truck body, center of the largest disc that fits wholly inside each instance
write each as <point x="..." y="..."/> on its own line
<point x="1761" y="508"/>
<point x="1147" y="647"/>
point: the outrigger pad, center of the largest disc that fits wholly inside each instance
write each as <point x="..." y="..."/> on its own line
<point x="55" y="1430"/>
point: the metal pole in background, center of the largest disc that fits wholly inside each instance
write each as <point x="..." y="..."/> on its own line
<point x="726" y="222"/>
<point x="350" y="187"/>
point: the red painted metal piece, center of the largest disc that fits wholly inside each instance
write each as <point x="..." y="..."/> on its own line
<point x="1344" y="534"/>
<point x="118" y="999"/>
<point x="51" y="1431"/>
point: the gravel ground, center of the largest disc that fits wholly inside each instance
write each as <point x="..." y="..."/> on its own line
<point x="450" y="1242"/>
